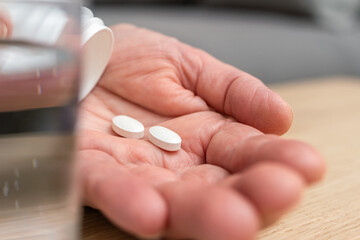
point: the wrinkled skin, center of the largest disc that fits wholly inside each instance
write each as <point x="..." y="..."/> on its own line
<point x="233" y="175"/>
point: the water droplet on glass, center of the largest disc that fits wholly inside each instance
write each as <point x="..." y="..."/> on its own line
<point x="35" y="163"/>
<point x="17" y="205"/>
<point x="39" y="89"/>
<point x="6" y="189"/>
<point x="16" y="185"/>
<point x="16" y="173"/>
<point x="38" y="73"/>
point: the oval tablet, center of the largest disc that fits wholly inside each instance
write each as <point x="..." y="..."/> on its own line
<point x="128" y="127"/>
<point x="164" y="138"/>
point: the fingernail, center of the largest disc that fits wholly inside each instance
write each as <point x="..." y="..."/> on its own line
<point x="3" y="32"/>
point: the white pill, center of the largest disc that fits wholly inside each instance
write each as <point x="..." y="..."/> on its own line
<point x="164" y="138"/>
<point x="128" y="127"/>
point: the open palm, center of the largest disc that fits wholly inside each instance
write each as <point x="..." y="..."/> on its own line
<point x="228" y="180"/>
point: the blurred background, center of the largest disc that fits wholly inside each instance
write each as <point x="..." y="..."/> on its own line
<point x="275" y="40"/>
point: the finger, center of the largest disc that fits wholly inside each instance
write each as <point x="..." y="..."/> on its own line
<point x="209" y="213"/>
<point x="273" y="188"/>
<point x="126" y="200"/>
<point x="241" y="95"/>
<point x="237" y="146"/>
<point x="5" y="24"/>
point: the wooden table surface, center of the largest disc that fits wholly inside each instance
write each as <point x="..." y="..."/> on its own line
<point x="326" y="115"/>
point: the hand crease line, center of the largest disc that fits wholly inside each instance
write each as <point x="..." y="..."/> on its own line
<point x="96" y="114"/>
<point x="226" y="95"/>
<point x="130" y="101"/>
<point x="257" y="89"/>
<point x="198" y="76"/>
<point x="103" y="102"/>
<point x="225" y="122"/>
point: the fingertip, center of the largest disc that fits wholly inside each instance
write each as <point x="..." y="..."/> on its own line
<point x="139" y="210"/>
<point x="301" y="157"/>
<point x="279" y="115"/>
<point x="260" y="107"/>
<point x="227" y="215"/>
<point x="209" y="213"/>
<point x="319" y="170"/>
<point x="151" y="216"/>
<point x="312" y="162"/>
<point x="285" y="115"/>
<point x="273" y="188"/>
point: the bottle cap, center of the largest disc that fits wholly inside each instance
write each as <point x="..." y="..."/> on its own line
<point x="97" y="46"/>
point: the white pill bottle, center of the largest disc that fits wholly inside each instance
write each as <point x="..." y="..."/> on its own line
<point x="36" y="21"/>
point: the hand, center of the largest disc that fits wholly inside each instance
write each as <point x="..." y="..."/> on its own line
<point x="228" y="180"/>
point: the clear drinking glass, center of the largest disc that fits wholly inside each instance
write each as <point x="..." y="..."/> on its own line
<point x="39" y="78"/>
